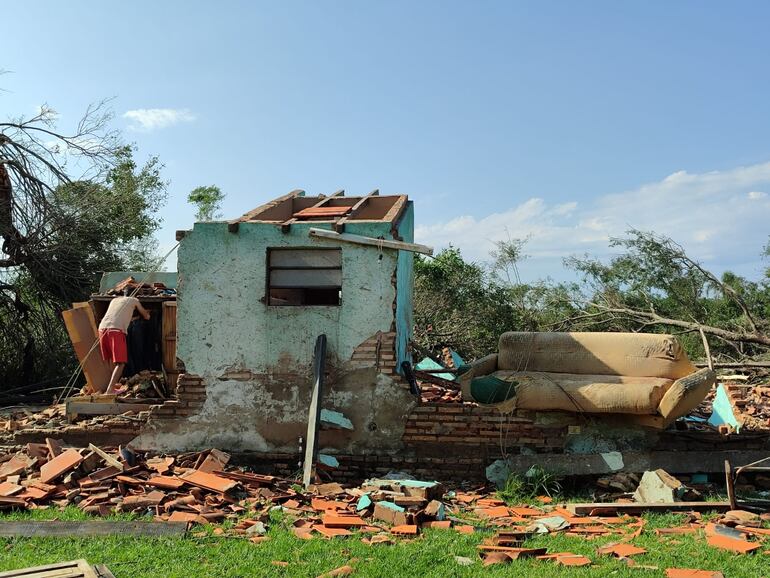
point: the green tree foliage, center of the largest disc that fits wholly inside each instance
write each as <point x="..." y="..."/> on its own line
<point x="466" y="305"/>
<point x="653" y="285"/>
<point x="208" y="202"/>
<point x="650" y="285"/>
<point x="91" y="226"/>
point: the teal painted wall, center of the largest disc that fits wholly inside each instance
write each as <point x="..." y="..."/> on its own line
<point x="224" y="325"/>
<point x="405" y="289"/>
<point x="255" y="360"/>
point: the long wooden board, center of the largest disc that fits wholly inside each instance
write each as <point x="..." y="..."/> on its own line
<point x="73" y="569"/>
<point x="31" y="529"/>
<point x="581" y="509"/>
<point x="380" y="243"/>
<point x="75" y="408"/>
<point x="168" y="325"/>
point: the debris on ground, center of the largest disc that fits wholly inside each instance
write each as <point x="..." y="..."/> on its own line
<point x="738" y="403"/>
<point x="201" y="488"/>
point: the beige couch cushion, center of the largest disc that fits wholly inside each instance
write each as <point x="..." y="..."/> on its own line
<point x="587" y="393"/>
<point x="686" y="394"/>
<point x="630" y="354"/>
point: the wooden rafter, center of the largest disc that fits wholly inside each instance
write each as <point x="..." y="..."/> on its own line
<point x="339" y="226"/>
<point x="286" y="225"/>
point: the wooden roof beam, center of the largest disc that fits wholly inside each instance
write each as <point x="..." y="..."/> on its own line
<point x="339" y="226"/>
<point x="286" y="225"/>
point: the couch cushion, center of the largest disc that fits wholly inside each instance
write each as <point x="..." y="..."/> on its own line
<point x="633" y="354"/>
<point x="586" y="393"/>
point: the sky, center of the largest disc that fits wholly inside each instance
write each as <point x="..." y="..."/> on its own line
<point x="562" y="122"/>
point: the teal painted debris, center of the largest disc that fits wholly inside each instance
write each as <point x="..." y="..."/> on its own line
<point x="363" y="503"/>
<point x="391" y="506"/>
<point x="328" y="461"/>
<point x="335" y="419"/>
<point x="722" y="411"/>
<point x="428" y="363"/>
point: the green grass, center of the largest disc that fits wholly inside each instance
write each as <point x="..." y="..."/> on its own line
<point x="430" y="555"/>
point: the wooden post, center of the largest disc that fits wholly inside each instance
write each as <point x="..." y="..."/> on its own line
<point x="314" y="414"/>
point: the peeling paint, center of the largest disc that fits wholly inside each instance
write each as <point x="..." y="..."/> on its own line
<point x="255" y="360"/>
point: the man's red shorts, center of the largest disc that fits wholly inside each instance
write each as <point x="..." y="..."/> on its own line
<point x="112" y="343"/>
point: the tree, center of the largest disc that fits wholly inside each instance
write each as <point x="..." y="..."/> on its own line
<point x="208" y="201"/>
<point x="654" y="285"/>
<point x="466" y="305"/>
<point x="59" y="232"/>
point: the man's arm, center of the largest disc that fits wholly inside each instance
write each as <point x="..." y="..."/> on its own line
<point x="142" y="311"/>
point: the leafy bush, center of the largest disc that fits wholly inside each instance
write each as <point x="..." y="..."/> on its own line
<point x="535" y="482"/>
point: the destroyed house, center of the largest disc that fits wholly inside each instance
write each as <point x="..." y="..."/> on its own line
<point x="254" y="294"/>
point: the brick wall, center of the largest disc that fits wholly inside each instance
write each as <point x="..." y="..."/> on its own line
<point x="379" y="351"/>
<point x="454" y="427"/>
<point x="359" y="467"/>
<point x="190" y="395"/>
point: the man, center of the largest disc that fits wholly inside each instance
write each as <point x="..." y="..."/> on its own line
<point x="112" y="333"/>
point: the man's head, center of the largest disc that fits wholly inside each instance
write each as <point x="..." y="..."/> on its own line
<point x="126" y="292"/>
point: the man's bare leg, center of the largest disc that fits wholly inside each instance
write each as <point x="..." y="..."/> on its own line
<point x="116" y="373"/>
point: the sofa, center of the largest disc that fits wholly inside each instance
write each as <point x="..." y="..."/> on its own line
<point x="645" y="377"/>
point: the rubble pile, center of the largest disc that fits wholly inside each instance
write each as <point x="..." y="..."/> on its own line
<point x="146" y="385"/>
<point x="435" y="389"/>
<point x="203" y="488"/>
<point x="751" y="404"/>
<point x="54" y="421"/>
<point x="139" y="289"/>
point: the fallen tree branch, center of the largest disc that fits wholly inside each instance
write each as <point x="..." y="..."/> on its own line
<point x="652" y="318"/>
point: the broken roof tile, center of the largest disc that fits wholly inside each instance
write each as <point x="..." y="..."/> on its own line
<point x="209" y="481"/>
<point x="60" y="465"/>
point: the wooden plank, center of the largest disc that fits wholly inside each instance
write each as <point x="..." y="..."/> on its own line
<point x="371" y="241"/>
<point x="111" y="460"/>
<point x="81" y="327"/>
<point x="46" y="528"/>
<point x="86" y="408"/>
<point x="291" y="278"/>
<point x="628" y="507"/>
<point x="314" y="411"/>
<point x="168" y="329"/>
<point x="73" y="569"/>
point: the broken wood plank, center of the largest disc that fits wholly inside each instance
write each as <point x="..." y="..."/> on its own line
<point x="73" y="569"/>
<point x="371" y="241"/>
<point x="314" y="411"/>
<point x="34" y="528"/>
<point x="628" y="507"/>
<point x="111" y="460"/>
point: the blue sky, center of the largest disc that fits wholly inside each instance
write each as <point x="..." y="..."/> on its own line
<point x="565" y="122"/>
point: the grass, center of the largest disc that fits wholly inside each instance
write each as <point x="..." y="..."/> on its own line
<point x="433" y="554"/>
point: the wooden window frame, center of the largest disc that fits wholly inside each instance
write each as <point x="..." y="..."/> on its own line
<point x="328" y="288"/>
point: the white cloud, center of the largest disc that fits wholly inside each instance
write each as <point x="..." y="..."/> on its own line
<point x="719" y="217"/>
<point x="147" y="119"/>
